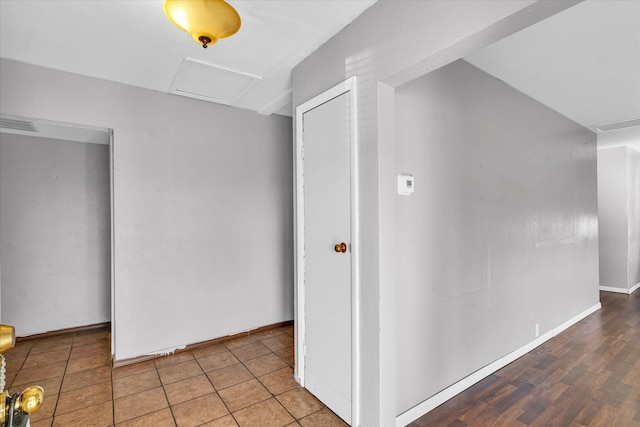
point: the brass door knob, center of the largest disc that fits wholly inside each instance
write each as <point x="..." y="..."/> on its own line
<point x="340" y="247"/>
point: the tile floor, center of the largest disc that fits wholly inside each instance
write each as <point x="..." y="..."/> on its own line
<point x="247" y="381"/>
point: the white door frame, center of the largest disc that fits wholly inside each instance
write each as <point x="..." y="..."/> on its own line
<point x="113" y="247"/>
<point x="348" y="85"/>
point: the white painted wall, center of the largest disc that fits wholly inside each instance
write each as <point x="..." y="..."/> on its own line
<point x="612" y="211"/>
<point x="501" y="233"/>
<point x="426" y="35"/>
<point x="633" y="208"/>
<point x="54" y="233"/>
<point x="202" y="206"/>
<point x="619" y="218"/>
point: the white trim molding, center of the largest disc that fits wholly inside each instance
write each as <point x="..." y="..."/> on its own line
<point x="451" y="391"/>
<point x="619" y="290"/>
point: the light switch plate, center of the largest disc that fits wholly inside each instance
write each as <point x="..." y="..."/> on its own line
<point x="406" y="184"/>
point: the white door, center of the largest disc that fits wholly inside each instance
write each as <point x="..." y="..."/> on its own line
<point x="327" y="253"/>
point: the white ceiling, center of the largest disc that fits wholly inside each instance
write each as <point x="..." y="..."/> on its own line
<point x="583" y="62"/>
<point x="133" y="42"/>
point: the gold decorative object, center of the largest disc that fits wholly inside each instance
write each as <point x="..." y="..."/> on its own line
<point x="15" y="409"/>
<point x="7" y="338"/>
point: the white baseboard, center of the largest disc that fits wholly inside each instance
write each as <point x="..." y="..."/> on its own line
<point x="446" y="394"/>
<point x="635" y="288"/>
<point x="617" y="290"/>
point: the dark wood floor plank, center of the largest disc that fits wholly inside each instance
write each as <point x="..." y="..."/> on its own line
<point x="589" y="375"/>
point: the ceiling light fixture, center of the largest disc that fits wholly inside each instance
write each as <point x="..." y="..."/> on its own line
<point x="206" y="21"/>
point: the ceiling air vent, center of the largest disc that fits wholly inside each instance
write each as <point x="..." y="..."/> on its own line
<point x="617" y="125"/>
<point x="15" y="124"/>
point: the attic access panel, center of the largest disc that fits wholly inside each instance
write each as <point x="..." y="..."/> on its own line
<point x="196" y="79"/>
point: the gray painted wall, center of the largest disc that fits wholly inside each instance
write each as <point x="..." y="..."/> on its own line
<point x="54" y="233"/>
<point x="613" y="217"/>
<point x="426" y="35"/>
<point x="633" y="206"/>
<point x="501" y="233"/>
<point x="202" y="206"/>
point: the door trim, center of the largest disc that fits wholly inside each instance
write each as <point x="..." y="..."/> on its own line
<point x="349" y="85"/>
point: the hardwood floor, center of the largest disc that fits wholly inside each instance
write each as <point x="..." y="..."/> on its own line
<point x="589" y="375"/>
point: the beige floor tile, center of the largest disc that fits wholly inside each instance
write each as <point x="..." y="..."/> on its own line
<point x="47" y="422"/>
<point x="89" y="362"/>
<point x="216" y="361"/>
<point x="188" y="389"/>
<point x="173" y="359"/>
<point x="85" y="378"/>
<point x="9" y="377"/>
<point x="268" y="334"/>
<point x="173" y="373"/>
<point x="239" y="342"/>
<point x="198" y="411"/>
<point x="278" y="342"/>
<point x="227" y="421"/>
<point x="46" y="345"/>
<point x="134" y="368"/>
<point x="131" y="384"/>
<point x="90" y="337"/>
<point x="322" y="418"/>
<point x="43" y="372"/>
<point x="161" y="418"/>
<point x="96" y="416"/>
<point x="244" y="394"/>
<point x="167" y="391"/>
<point x="13" y="363"/>
<point x="265" y="414"/>
<point x="287" y="354"/>
<point x="279" y="381"/>
<point x="299" y="402"/>
<point x="49" y="349"/>
<point x="39" y="359"/>
<point x="21" y="349"/>
<point x="208" y="349"/>
<point x="264" y="364"/>
<point x="136" y="405"/>
<point x="89" y="349"/>
<point x="229" y="376"/>
<point x="250" y="351"/>
<point x="82" y="397"/>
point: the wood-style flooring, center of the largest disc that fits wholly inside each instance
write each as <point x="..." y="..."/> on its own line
<point x="589" y="375"/>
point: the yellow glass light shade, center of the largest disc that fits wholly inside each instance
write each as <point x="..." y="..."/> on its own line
<point x="206" y="21"/>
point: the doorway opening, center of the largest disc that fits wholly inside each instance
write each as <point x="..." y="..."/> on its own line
<point x="56" y="229"/>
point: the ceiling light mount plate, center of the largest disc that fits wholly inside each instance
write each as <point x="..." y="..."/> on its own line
<point x="206" y="21"/>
